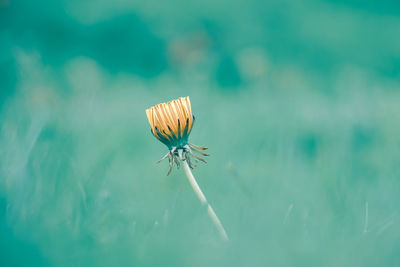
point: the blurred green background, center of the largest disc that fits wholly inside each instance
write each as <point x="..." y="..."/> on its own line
<point x="298" y="101"/>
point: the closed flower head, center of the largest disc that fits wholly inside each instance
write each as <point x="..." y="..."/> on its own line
<point x="171" y="123"/>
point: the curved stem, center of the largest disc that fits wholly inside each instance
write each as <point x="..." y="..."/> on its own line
<point x="204" y="201"/>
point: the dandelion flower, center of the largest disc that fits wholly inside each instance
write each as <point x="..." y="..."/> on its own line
<point x="171" y="123"/>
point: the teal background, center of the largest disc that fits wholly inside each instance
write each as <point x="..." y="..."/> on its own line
<point x="298" y="102"/>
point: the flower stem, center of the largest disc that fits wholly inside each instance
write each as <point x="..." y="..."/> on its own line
<point x="204" y="201"/>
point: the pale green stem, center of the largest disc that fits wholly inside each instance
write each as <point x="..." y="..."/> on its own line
<point x="204" y="201"/>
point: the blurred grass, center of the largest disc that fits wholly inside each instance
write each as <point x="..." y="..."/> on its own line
<point x="298" y="104"/>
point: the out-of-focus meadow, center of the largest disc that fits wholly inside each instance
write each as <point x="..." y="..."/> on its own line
<point x="298" y="101"/>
